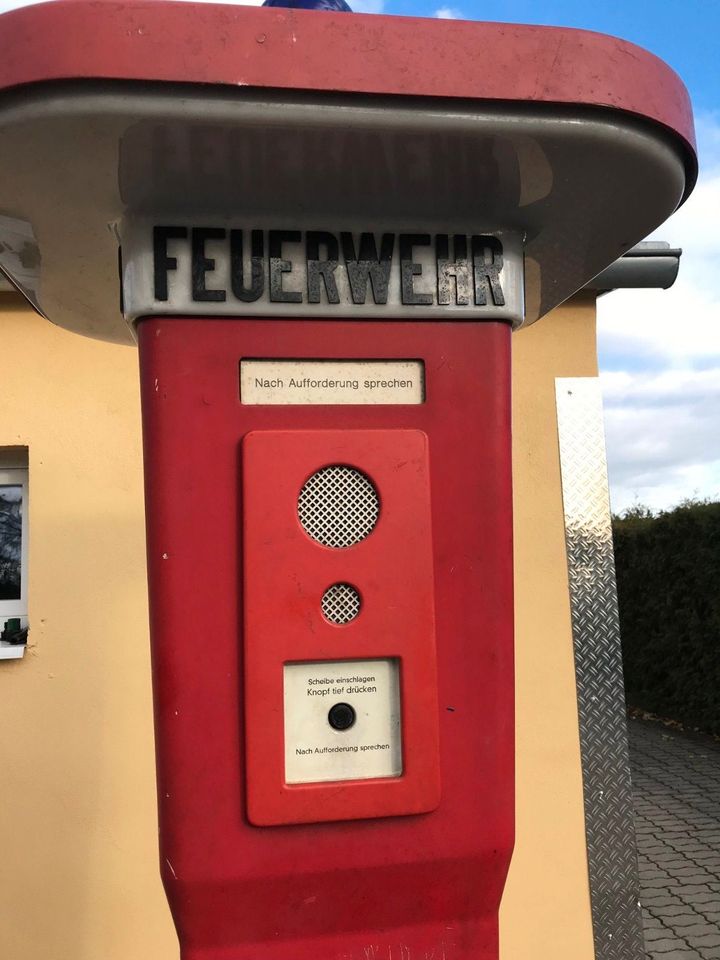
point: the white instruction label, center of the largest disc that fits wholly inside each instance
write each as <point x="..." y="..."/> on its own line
<point x="342" y="720"/>
<point x="332" y="381"/>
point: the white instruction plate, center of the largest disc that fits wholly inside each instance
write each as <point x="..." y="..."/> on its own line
<point x="371" y="747"/>
<point x="332" y="381"/>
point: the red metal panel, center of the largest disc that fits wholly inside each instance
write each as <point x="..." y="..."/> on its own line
<point x="311" y="50"/>
<point x="285" y="575"/>
<point x="401" y="886"/>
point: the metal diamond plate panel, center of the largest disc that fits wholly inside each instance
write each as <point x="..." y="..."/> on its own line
<point x="612" y="854"/>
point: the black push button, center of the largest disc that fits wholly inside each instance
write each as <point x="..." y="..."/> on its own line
<point x="341" y="716"/>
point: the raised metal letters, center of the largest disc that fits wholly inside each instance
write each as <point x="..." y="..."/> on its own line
<point x="368" y="265"/>
<point x="279" y="266"/>
<point x="409" y="269"/>
<point x="161" y="261"/>
<point x="317" y="268"/>
<point x="459" y="268"/>
<point x="202" y="264"/>
<point x="331" y="269"/>
<point x="257" y="271"/>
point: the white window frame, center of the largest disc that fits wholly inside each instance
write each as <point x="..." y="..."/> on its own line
<point x="10" y="609"/>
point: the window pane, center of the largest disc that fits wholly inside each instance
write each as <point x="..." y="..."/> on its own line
<point x="10" y="541"/>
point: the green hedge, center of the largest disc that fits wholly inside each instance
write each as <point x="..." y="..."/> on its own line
<point x="668" y="575"/>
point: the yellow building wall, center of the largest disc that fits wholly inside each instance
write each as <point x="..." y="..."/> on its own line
<point x="545" y="913"/>
<point x="78" y="831"/>
<point x="79" y="877"/>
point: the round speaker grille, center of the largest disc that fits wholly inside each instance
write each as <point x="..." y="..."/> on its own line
<point x="340" y="603"/>
<point x="338" y="506"/>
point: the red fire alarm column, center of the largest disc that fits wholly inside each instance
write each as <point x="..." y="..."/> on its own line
<point x="341" y="573"/>
<point x="327" y="228"/>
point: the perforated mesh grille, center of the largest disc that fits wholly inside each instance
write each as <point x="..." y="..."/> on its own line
<point x="341" y="603"/>
<point x="338" y="506"/>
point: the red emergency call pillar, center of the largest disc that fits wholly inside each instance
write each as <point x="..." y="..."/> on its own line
<point x="327" y="229"/>
<point x="329" y="508"/>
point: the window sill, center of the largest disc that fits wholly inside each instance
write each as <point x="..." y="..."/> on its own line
<point x="11" y="651"/>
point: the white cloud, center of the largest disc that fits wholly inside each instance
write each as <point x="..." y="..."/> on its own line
<point x="661" y="428"/>
<point x="448" y="13"/>
<point x="683" y="322"/>
<point x="6" y="5"/>
<point x="660" y="360"/>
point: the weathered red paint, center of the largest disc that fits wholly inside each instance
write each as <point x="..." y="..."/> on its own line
<point x="415" y="886"/>
<point x="322" y="51"/>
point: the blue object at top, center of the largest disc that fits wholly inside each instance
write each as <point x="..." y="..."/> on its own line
<point x="339" y="6"/>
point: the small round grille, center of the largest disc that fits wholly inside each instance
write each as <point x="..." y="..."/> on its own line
<point x="338" y="506"/>
<point x="340" y="603"/>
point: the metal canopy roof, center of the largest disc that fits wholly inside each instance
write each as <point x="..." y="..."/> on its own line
<point x="117" y="114"/>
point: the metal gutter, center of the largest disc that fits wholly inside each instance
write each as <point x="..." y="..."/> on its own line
<point x="651" y="264"/>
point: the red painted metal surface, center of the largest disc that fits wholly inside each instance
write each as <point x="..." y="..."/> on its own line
<point x="285" y="575"/>
<point x="321" y="51"/>
<point x="416" y="885"/>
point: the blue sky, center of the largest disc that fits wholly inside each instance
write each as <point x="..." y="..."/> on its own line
<point x="659" y="350"/>
<point x="685" y="35"/>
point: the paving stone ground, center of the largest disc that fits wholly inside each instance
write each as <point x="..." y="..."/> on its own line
<point x="676" y="787"/>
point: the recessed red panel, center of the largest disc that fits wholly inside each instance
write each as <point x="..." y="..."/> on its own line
<point x="286" y="573"/>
